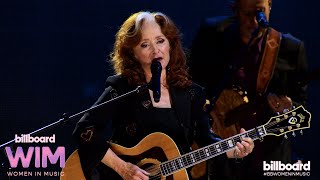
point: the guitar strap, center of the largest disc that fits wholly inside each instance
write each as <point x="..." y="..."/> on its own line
<point x="268" y="60"/>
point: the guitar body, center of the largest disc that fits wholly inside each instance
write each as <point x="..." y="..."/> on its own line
<point x="148" y="154"/>
<point x="228" y="101"/>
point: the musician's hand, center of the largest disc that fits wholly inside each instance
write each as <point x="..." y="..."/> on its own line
<point x="280" y="104"/>
<point x="126" y="170"/>
<point x="242" y="149"/>
<point x="132" y="172"/>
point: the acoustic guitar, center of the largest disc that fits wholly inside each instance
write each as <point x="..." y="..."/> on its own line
<point x="158" y="154"/>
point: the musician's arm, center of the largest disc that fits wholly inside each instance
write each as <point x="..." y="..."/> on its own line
<point x="91" y="134"/>
<point x="93" y="131"/>
<point x="299" y="94"/>
<point x="291" y="74"/>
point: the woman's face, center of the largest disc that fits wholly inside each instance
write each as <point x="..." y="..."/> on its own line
<point x="153" y="44"/>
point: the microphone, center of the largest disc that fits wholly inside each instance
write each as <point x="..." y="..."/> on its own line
<point x="156" y="69"/>
<point x="262" y="20"/>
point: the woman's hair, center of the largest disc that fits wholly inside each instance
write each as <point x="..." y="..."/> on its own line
<point x="129" y="36"/>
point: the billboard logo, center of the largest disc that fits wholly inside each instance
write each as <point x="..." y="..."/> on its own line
<point x="26" y="138"/>
<point x="279" y="166"/>
<point x="41" y="159"/>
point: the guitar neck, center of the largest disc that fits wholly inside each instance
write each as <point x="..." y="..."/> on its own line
<point x="208" y="152"/>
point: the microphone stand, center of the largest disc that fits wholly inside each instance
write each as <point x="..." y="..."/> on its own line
<point x="66" y="118"/>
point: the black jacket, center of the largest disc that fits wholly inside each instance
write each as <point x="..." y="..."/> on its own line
<point x="121" y="122"/>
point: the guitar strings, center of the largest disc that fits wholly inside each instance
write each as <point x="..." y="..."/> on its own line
<point x="154" y="169"/>
<point x="158" y="176"/>
<point x="199" y="156"/>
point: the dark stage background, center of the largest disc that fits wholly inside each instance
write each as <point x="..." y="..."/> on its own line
<point x="53" y="56"/>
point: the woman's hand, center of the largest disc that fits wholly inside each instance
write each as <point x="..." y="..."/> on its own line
<point x="242" y="149"/>
<point x="125" y="169"/>
<point x="132" y="172"/>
